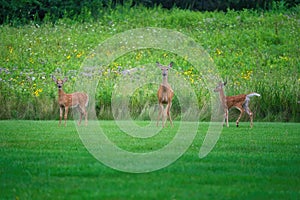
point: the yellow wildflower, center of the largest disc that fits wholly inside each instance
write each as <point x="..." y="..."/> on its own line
<point x="192" y="80"/>
<point x="79" y="55"/>
<point x="31" y="60"/>
<point x="37" y="92"/>
<point x="218" y="51"/>
<point x="10" y="48"/>
<point x="138" y="56"/>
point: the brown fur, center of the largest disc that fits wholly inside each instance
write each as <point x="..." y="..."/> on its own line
<point x="165" y="95"/>
<point x="240" y="102"/>
<point x="76" y="99"/>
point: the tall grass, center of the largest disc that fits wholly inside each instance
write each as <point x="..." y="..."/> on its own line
<point x="254" y="51"/>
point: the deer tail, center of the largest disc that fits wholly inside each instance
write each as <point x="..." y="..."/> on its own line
<point x="253" y="94"/>
<point x="87" y="100"/>
<point x="247" y="100"/>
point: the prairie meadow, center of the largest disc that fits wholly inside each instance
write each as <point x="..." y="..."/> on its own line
<point x="253" y="50"/>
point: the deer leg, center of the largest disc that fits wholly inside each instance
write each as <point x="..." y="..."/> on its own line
<point x="168" y="113"/>
<point x="81" y="113"/>
<point x="161" y="109"/>
<point x="224" y="120"/>
<point x="66" y="114"/>
<point x="60" y="114"/>
<point x="164" y="117"/>
<point x="241" y="113"/>
<point x="85" y="115"/>
<point x="248" y="111"/>
<point x="251" y="119"/>
<point x="226" y="117"/>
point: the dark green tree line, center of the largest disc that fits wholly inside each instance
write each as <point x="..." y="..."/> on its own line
<point x="23" y="11"/>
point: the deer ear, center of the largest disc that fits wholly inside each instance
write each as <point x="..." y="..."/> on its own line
<point x="171" y="64"/>
<point x="53" y="78"/>
<point x="65" y="79"/>
<point x="158" y="64"/>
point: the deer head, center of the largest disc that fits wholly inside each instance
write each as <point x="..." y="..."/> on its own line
<point x="164" y="69"/>
<point x="59" y="82"/>
<point x="220" y="86"/>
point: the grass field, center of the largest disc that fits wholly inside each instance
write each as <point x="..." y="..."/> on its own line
<point x="39" y="160"/>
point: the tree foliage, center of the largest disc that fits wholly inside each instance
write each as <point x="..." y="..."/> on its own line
<point x="22" y="11"/>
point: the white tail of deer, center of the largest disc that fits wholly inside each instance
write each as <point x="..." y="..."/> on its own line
<point x="241" y="102"/>
<point x="164" y="95"/>
<point x="77" y="99"/>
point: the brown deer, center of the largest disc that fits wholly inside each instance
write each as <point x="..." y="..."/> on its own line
<point x="164" y="95"/>
<point x="77" y="99"/>
<point x="241" y="102"/>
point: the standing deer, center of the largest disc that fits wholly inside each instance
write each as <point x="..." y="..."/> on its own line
<point x="241" y="102"/>
<point x="164" y="95"/>
<point x="76" y="99"/>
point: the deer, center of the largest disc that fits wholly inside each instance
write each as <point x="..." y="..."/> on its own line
<point x="165" y="95"/>
<point x="241" y="102"/>
<point x="77" y="100"/>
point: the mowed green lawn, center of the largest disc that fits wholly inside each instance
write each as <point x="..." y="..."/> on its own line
<point x="39" y="160"/>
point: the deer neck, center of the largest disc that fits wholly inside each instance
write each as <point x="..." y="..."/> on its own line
<point x="222" y="97"/>
<point x="61" y="93"/>
<point x="165" y="81"/>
